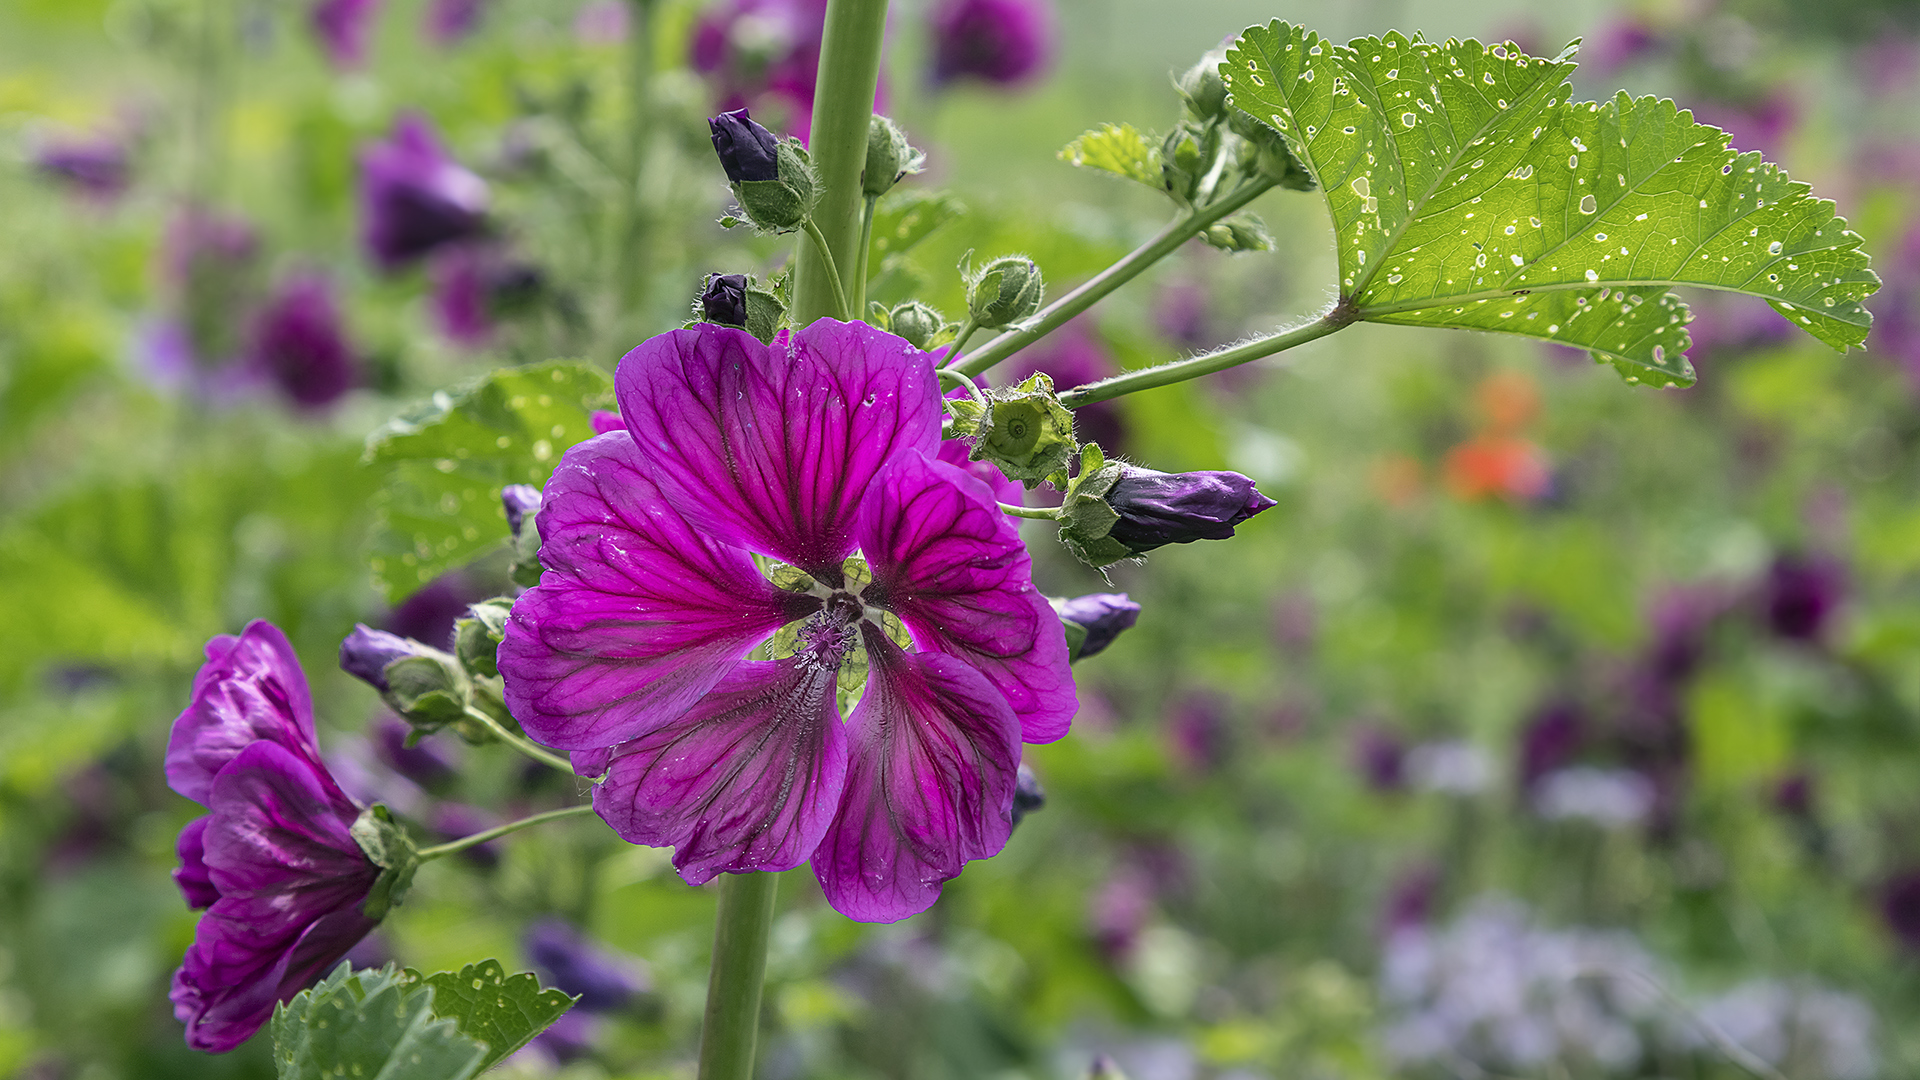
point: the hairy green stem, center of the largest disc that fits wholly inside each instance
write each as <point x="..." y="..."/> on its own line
<point x="951" y="379"/>
<point x="519" y="743"/>
<point x="1165" y="242"/>
<point x="833" y="270"/>
<point x="1194" y="367"/>
<point x="966" y="331"/>
<point x="497" y="831"/>
<point x="842" y="113"/>
<point x="739" y="968"/>
<point x="1038" y="513"/>
<point x="860" y="258"/>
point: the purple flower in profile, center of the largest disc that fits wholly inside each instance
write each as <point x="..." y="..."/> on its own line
<point x="1800" y="596"/>
<point x="274" y="864"/>
<point x="449" y="21"/>
<point x="300" y="345"/>
<point x="1005" y="42"/>
<point x="763" y="53"/>
<point x="569" y="962"/>
<point x="631" y="651"/>
<point x="414" y="198"/>
<point x="1104" y="616"/>
<point x="96" y="167"/>
<point x="1900" y="907"/>
<point x="343" y="26"/>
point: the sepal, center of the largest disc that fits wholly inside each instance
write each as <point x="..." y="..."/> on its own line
<point x="1003" y="291"/>
<point x="387" y="846"/>
<point x="1024" y="430"/>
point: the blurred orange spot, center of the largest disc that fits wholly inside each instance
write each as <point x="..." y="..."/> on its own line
<point x="1501" y="466"/>
<point x="1507" y="401"/>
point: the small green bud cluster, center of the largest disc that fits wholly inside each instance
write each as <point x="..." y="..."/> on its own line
<point x="1214" y="147"/>
<point x="1003" y="291"/>
<point x="433" y="690"/>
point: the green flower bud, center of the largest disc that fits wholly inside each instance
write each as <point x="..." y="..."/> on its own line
<point x="1202" y="88"/>
<point x="781" y="204"/>
<point x="1004" y="291"/>
<point x="923" y="327"/>
<point x="889" y="158"/>
<point x="477" y="638"/>
<point x="1026" y="432"/>
<point x="1265" y="153"/>
<point x="1186" y="156"/>
<point x="1241" y="232"/>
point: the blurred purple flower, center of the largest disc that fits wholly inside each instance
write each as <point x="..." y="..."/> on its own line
<point x="300" y="345"/>
<point x="1618" y="44"/>
<point x="759" y="52"/>
<point x="1793" y="794"/>
<point x="1295" y="621"/>
<point x="343" y="27"/>
<point x="1410" y="901"/>
<point x="601" y="22"/>
<point x="450" y="21"/>
<point x="1380" y="757"/>
<point x="1549" y="741"/>
<point x="425" y="762"/>
<point x="1119" y="910"/>
<point x="1729" y="323"/>
<point x="474" y="285"/>
<point x="95" y="166"/>
<point x="1072" y="356"/>
<point x="1900" y="907"/>
<point x="569" y="1038"/>
<point x="274" y="862"/>
<point x="1198" y="730"/>
<point x="568" y="961"/>
<point x="1800" y="595"/>
<point x="1764" y="125"/>
<point x="414" y="198"/>
<point x="1004" y="42"/>
<point x="452" y="821"/>
<point x="1886" y="65"/>
<point x="429" y="614"/>
<point x="1183" y="315"/>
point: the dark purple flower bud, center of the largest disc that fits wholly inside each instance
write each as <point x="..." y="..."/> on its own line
<point x="365" y="654"/>
<point x="604" y="981"/>
<point x="1793" y="795"/>
<point x="448" y="21"/>
<point x="724" y="300"/>
<point x="343" y="26"/>
<point x="1099" y="617"/>
<point x="522" y="501"/>
<point x="288" y="886"/>
<point x="1411" y="901"/>
<point x="414" y="198"/>
<point x="1159" y="508"/>
<point x="1800" y="596"/>
<point x="998" y="41"/>
<point x="300" y="345"/>
<point x="1549" y="742"/>
<point x="1199" y="731"/>
<point x="425" y="762"/>
<point x="95" y="167"/>
<point x="748" y="152"/>
<point x="1028" y="795"/>
<point x="1380" y="758"/>
<point x="1900" y="907"/>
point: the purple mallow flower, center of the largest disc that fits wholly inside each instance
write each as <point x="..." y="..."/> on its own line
<point x="631" y="651"/>
<point x="1102" y="615"/>
<point x="96" y="167"/>
<point x="448" y="21"/>
<point x="748" y="152"/>
<point x="274" y="863"/>
<point x="998" y="41"/>
<point x="1159" y="508"/>
<point x="414" y="198"/>
<point x="343" y="26"/>
<point x="762" y="52"/>
<point x="568" y="961"/>
<point x="300" y="345"/>
<point x="1800" y="595"/>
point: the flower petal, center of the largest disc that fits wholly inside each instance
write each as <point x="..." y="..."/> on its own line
<point x="280" y="826"/>
<point x="250" y="688"/>
<point x="933" y="751"/>
<point x="749" y="779"/>
<point x="191" y="875"/>
<point x="773" y="448"/>
<point x="955" y="453"/>
<point x="637" y="614"/>
<point x="951" y="565"/>
<point x="226" y="987"/>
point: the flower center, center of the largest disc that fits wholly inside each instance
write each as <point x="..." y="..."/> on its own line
<point x="825" y="637"/>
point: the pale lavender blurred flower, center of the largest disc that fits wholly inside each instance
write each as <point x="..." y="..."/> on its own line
<point x="1618" y="44"/>
<point x="1815" y="1031"/>
<point x="1609" y="798"/>
<point x="601" y="22"/>
<point x="1451" y="767"/>
<point x="1765" y="125"/>
<point x="1887" y="64"/>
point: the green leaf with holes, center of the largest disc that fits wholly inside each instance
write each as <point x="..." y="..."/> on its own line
<point x="905" y="219"/>
<point x="446" y="459"/>
<point x="1468" y="189"/>
<point x="504" y="1011"/>
<point x="1120" y="150"/>
<point x="376" y="1023"/>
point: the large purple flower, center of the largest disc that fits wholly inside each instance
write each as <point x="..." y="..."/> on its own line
<point x="282" y="878"/>
<point x="300" y="343"/>
<point x="1005" y="42"/>
<point x="632" y="651"/>
<point x="415" y="198"/>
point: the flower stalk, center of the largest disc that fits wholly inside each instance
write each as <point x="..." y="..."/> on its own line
<point x="842" y="117"/>
<point x="454" y="846"/>
<point x="1037" y="513"/>
<point x="1339" y="318"/>
<point x="532" y="750"/>
<point x="739" y="969"/>
<point x="833" y="269"/>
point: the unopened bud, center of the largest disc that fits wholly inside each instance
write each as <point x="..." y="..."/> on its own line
<point x="1003" y="291"/>
<point x="1028" y="795"/>
<point x="772" y="178"/>
<point x="522" y="504"/>
<point x="477" y="637"/>
<point x="1116" y="511"/>
<point x="424" y="685"/>
<point x="1092" y="622"/>
<point x="748" y="152"/>
<point x="1186" y="156"/>
<point x="1264" y="152"/>
<point x="1241" y="232"/>
<point x="1202" y="88"/>
<point x="920" y="324"/>
<point x="723" y="300"/>
<point x="889" y="158"/>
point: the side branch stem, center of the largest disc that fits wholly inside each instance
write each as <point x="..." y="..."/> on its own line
<point x="739" y="967"/>
<point x="525" y="746"/>
<point x="858" y="300"/>
<point x="497" y="831"/>
<point x="833" y="269"/>
<point x="1055" y="315"/>
<point x="1194" y="367"/>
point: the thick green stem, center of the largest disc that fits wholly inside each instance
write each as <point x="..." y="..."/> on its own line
<point x="739" y="967"/>
<point x="860" y="259"/>
<point x="842" y="113"/>
<point x="497" y="831"/>
<point x="526" y="747"/>
<point x="1055" y="315"/>
<point x="1194" y="367"/>
<point x="833" y="270"/>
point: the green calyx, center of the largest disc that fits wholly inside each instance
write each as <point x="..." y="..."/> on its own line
<point x="432" y="690"/>
<point x="1264" y="153"/>
<point x="388" y="847"/>
<point x="922" y="325"/>
<point x="477" y="638"/>
<point x="1241" y="232"/>
<point x="1023" y="430"/>
<point x="1003" y="291"/>
<point x="779" y="205"/>
<point x="1203" y="89"/>
<point x="1085" y="516"/>
<point x="889" y="157"/>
